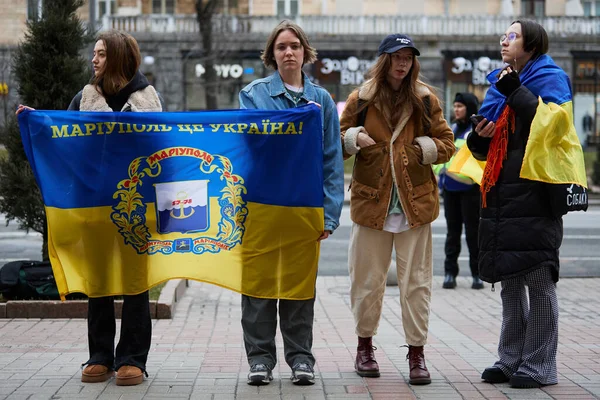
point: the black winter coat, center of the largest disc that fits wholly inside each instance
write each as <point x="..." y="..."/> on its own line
<point x="517" y="231"/>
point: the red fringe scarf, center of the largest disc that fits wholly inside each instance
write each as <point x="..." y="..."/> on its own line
<point x="497" y="152"/>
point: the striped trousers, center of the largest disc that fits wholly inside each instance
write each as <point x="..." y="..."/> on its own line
<point x="529" y="333"/>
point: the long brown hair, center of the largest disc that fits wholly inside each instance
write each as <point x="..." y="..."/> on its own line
<point x="394" y="101"/>
<point x="268" y="55"/>
<point x="123" y="59"/>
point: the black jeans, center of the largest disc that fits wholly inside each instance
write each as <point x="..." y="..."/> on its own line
<point x="461" y="208"/>
<point x="136" y="331"/>
<point x="259" y="323"/>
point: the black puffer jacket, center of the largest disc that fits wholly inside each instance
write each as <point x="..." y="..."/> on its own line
<point x="517" y="231"/>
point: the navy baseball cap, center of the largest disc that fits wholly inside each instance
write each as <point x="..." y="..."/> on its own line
<point x="395" y="42"/>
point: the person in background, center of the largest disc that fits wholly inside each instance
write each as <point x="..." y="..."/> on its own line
<point x="286" y="51"/>
<point x="394" y="126"/>
<point x="461" y="199"/>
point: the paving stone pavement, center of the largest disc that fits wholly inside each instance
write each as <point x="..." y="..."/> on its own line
<point x="199" y="354"/>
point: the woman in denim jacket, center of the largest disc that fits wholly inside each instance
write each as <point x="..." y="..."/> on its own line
<point x="286" y="51"/>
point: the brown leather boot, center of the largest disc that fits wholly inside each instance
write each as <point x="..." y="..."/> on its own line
<point x="365" y="364"/>
<point x="96" y="373"/>
<point x="128" y="375"/>
<point x="419" y="375"/>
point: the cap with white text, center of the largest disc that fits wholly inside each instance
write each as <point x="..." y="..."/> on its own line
<point x="395" y="42"/>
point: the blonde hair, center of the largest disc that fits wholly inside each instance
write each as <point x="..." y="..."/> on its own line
<point x="123" y="59"/>
<point x="268" y="54"/>
<point x="408" y="92"/>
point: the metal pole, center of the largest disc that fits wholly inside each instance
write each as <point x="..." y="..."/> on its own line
<point x="92" y="21"/>
<point x="596" y="174"/>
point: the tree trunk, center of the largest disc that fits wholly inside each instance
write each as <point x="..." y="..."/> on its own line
<point x="210" y="76"/>
<point x="205" y="11"/>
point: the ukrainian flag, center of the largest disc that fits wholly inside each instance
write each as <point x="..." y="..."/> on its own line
<point x="233" y="198"/>
<point x="553" y="153"/>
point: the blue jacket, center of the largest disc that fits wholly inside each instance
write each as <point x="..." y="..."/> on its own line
<point x="270" y="94"/>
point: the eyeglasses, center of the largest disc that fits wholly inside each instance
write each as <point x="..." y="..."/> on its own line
<point x="512" y="36"/>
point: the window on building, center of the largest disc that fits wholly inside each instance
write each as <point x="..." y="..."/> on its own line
<point x="34" y="9"/>
<point x="106" y="7"/>
<point x="533" y="8"/>
<point x="287" y="8"/>
<point x="591" y="8"/>
<point x="163" y="6"/>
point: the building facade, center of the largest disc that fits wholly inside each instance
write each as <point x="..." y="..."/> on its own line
<point x="458" y="39"/>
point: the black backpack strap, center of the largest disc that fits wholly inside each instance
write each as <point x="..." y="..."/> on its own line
<point x="360" y="121"/>
<point x="362" y="115"/>
<point x="427" y="116"/>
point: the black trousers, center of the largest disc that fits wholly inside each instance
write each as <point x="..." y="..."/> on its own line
<point x="461" y="208"/>
<point x="136" y="331"/>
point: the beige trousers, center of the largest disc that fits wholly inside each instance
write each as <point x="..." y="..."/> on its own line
<point x="369" y="259"/>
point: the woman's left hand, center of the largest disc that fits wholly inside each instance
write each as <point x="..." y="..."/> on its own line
<point x="324" y="235"/>
<point x="509" y="81"/>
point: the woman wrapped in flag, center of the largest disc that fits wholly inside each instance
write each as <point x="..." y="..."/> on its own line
<point x="527" y="139"/>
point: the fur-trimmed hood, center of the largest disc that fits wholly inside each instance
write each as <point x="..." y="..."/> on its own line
<point x="144" y="100"/>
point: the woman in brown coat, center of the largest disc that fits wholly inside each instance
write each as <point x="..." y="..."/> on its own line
<point x="394" y="125"/>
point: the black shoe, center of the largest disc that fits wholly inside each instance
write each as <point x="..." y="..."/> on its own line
<point x="477" y="283"/>
<point x="259" y="375"/>
<point x="521" y="381"/>
<point x="302" y="374"/>
<point x="494" y="375"/>
<point x="449" y="282"/>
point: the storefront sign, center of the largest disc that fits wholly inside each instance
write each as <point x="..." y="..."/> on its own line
<point x="350" y="70"/>
<point x="234" y="71"/>
<point x="587" y="69"/>
<point x="479" y="68"/>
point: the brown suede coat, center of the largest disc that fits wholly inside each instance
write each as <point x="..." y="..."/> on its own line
<point x="394" y="159"/>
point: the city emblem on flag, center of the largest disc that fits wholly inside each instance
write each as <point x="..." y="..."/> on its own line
<point x="182" y="206"/>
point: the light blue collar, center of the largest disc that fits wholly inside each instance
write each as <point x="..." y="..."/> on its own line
<point x="277" y="88"/>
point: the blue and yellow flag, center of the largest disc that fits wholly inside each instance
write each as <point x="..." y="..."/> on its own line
<point x="553" y="153"/>
<point x="233" y="198"/>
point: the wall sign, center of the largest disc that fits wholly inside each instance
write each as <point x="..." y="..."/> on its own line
<point x="478" y="68"/>
<point x="351" y="71"/>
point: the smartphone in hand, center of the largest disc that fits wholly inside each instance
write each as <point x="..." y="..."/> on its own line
<point x="476" y="119"/>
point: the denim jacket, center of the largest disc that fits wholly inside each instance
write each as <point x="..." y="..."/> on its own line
<point x="270" y="94"/>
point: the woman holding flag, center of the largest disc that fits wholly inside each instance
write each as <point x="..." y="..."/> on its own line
<point x="287" y="51"/>
<point x="527" y="139"/>
<point x="117" y="85"/>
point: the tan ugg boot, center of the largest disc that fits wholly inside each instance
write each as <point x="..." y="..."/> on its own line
<point x="128" y="375"/>
<point x="96" y="373"/>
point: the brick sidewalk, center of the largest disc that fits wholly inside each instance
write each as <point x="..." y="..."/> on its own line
<point x="199" y="354"/>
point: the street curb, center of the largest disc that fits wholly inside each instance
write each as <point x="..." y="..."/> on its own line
<point x="169" y="296"/>
<point x="164" y="308"/>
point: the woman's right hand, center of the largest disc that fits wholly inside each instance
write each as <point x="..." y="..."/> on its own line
<point x="485" y="129"/>
<point x="22" y="108"/>
<point x="364" y="140"/>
